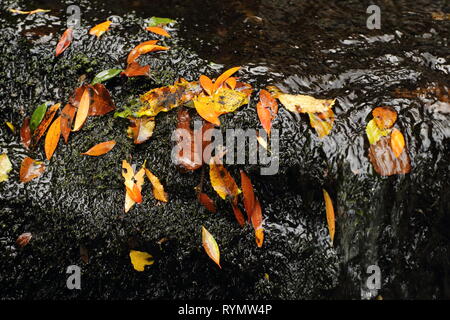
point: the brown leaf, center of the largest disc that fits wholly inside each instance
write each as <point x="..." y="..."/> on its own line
<point x="384" y="160"/>
<point x="100" y="149"/>
<point x="52" y="138"/>
<point x="30" y="169"/>
<point x="384" y="117"/>
<point x="134" y="69"/>
<point x="248" y="193"/>
<point x="67" y="115"/>
<point x="207" y="202"/>
<point x="189" y="155"/>
<point x="101" y="101"/>
<point x="23" y="239"/>
<point x="45" y="123"/>
<point x="83" y="110"/>
<point x="25" y="133"/>
<point x="267" y="109"/>
<point x="64" y="41"/>
<point x="238" y="214"/>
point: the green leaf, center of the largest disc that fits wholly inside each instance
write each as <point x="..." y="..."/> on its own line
<point x="374" y="133"/>
<point x="157" y="22"/>
<point x="37" y="116"/>
<point x="106" y="75"/>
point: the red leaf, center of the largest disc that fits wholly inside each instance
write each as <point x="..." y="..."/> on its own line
<point x="248" y="193"/>
<point x="238" y="214"/>
<point x="25" y="133"/>
<point x="101" y="101"/>
<point x="207" y="202"/>
<point x="64" y="41"/>
<point x="185" y="142"/>
<point x="23" y="239"/>
<point x="30" y="169"/>
<point x="134" y="69"/>
<point x="67" y="115"/>
<point x="45" y="123"/>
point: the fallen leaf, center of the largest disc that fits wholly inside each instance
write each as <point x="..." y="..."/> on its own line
<point x="64" y="41"/>
<point x="141" y="129"/>
<point x="440" y="16"/>
<point x="207" y="202"/>
<point x="84" y="254"/>
<point x="5" y="167"/>
<point x="140" y="259"/>
<point x="10" y="126"/>
<point x="189" y="154"/>
<point x="100" y="29"/>
<point x="143" y="48"/>
<point x="156" y="21"/>
<point x="330" y="215"/>
<point x="83" y="110"/>
<point x="52" y="138"/>
<point x="67" y="115"/>
<point x="221" y="181"/>
<point x="37" y="116"/>
<point x="133" y="185"/>
<point x="28" y="12"/>
<point x="100" y="149"/>
<point x="397" y="142"/>
<point x="30" y="169"/>
<point x="158" y="189"/>
<point x="267" y="109"/>
<point x="158" y="30"/>
<point x="44" y="124"/>
<point x="248" y="194"/>
<point x="259" y="236"/>
<point x="374" y="133"/>
<point x="210" y="246"/>
<point x="206" y="84"/>
<point x="25" y="133"/>
<point x="231" y="82"/>
<point x="385" y="162"/>
<point x="322" y="122"/>
<point x="106" y="75"/>
<point x="299" y="103"/>
<point x="102" y="102"/>
<point x="223" y="77"/>
<point x="238" y="214"/>
<point x="23" y="239"/>
<point x="384" y="117"/>
<point x="134" y="69"/>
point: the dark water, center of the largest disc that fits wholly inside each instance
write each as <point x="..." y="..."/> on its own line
<point x="321" y="48"/>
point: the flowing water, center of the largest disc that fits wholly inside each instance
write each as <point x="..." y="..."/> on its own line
<point x="322" y="48"/>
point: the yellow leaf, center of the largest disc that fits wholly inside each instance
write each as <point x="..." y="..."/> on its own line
<point x="303" y="104"/>
<point x="5" y="167"/>
<point x="322" y="122"/>
<point x="140" y="259"/>
<point x="133" y="185"/>
<point x="100" y="29"/>
<point x="10" y="126"/>
<point x="397" y="142"/>
<point x="158" y="189"/>
<point x="221" y="180"/>
<point x="83" y="110"/>
<point x="28" y="12"/>
<point x="374" y="133"/>
<point x="330" y="214"/>
<point x="210" y="246"/>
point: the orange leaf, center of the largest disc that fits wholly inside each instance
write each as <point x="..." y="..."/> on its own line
<point x="135" y="193"/>
<point x="231" y="82"/>
<point x="143" y="48"/>
<point x="206" y="84"/>
<point x="207" y="202"/>
<point x="64" y="41"/>
<point x="67" y="115"/>
<point x="397" y="142"/>
<point x="384" y="117"/>
<point x="25" y="133"/>
<point x="256" y="215"/>
<point x="100" y="149"/>
<point x="45" y="123"/>
<point x="23" y="239"/>
<point x="100" y="29"/>
<point x="223" y="77"/>
<point x="83" y="110"/>
<point x="52" y="138"/>
<point x="101" y="101"/>
<point x="210" y="246"/>
<point x="30" y="169"/>
<point x="133" y="184"/>
<point x="221" y="180"/>
<point x="249" y="195"/>
<point x="267" y="109"/>
<point x="134" y="69"/>
<point x="238" y="214"/>
<point x="259" y="236"/>
<point x="158" y="189"/>
<point x="158" y="30"/>
<point x="206" y="109"/>
<point x="330" y="214"/>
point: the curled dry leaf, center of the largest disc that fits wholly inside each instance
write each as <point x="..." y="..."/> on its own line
<point x="141" y="129"/>
<point x="28" y="12"/>
<point x="64" y="41"/>
<point x="100" y="149"/>
<point x="397" y="142"/>
<point x="384" y="117"/>
<point x="330" y="214"/>
<point x="207" y="202"/>
<point x="30" y="169"/>
<point x="23" y="239"/>
<point x="140" y="259"/>
<point x="221" y="180"/>
<point x="100" y="29"/>
<point x="25" y="133"/>
<point x="322" y="122"/>
<point x="67" y="115"/>
<point x="134" y="69"/>
<point x="143" y="48"/>
<point x="158" y="30"/>
<point x="52" y="138"/>
<point x="44" y="124"/>
<point x="210" y="246"/>
<point x="5" y="167"/>
<point x="267" y="109"/>
<point x="83" y="110"/>
<point x="158" y="189"/>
